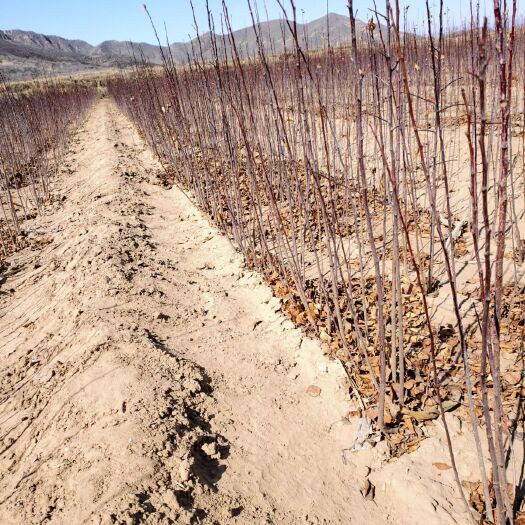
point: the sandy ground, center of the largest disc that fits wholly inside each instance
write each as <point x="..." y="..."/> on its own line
<point x="148" y="377"/>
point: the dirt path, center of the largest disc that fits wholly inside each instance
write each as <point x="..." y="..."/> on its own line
<point x="147" y="377"/>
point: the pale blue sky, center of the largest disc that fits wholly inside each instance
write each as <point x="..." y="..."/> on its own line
<point x="99" y="20"/>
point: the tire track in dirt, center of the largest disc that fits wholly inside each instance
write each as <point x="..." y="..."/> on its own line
<point x="148" y="377"/>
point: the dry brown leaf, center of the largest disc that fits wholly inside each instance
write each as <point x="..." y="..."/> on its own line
<point x="313" y="391"/>
<point x="281" y="290"/>
<point x="325" y="338"/>
<point x="520" y="519"/>
<point x="513" y="378"/>
<point x="413" y="445"/>
<point x="301" y="318"/>
<point x="409" y="425"/>
<point x="441" y="466"/>
<point x="371" y="413"/>
<point x="421" y="415"/>
<point x="395" y="439"/>
<point x="409" y="384"/>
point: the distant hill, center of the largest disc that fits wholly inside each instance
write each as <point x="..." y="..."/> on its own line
<point x="24" y="54"/>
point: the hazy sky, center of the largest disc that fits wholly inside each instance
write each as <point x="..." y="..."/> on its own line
<point x="99" y="20"/>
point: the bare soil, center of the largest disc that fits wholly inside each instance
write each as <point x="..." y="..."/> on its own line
<point x="148" y="377"/>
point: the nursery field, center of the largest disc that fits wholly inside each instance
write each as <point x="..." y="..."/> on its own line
<point x="287" y="288"/>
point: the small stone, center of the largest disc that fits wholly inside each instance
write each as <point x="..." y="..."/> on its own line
<point x="48" y="376"/>
<point x="185" y="517"/>
<point x="367" y="489"/>
<point x="170" y="498"/>
<point x="185" y="470"/>
<point x="192" y="386"/>
<point x="210" y="449"/>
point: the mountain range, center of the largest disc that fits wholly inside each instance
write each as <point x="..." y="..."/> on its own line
<point x="25" y="54"/>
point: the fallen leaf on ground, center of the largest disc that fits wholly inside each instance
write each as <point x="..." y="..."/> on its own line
<point x="441" y="466"/>
<point x="313" y="391"/>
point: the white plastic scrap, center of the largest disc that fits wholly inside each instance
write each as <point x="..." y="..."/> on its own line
<point x="365" y="433"/>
